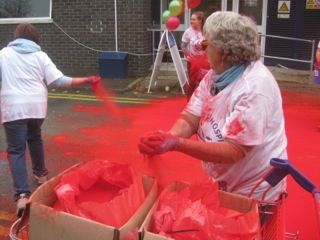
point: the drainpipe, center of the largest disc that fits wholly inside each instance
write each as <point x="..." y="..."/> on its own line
<point x="116" y="24"/>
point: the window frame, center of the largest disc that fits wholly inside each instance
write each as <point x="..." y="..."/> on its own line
<point x="29" y="19"/>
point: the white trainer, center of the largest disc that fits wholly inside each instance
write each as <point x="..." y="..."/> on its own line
<point x="22" y="201"/>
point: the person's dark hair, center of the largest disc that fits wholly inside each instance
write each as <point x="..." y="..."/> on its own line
<point x="27" y="31"/>
<point x="200" y="17"/>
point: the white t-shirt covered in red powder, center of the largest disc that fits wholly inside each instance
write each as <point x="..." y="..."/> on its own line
<point x="193" y="39"/>
<point x="248" y="112"/>
<point x="25" y="78"/>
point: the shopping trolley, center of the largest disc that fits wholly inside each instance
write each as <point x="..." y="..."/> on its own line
<point x="271" y="213"/>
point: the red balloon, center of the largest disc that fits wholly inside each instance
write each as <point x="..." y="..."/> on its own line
<point x="193" y="3"/>
<point x="173" y="23"/>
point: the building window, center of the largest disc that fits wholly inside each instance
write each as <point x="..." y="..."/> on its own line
<point x="250" y="3"/>
<point x="253" y="9"/>
<point x="208" y="7"/>
<point x="32" y="11"/>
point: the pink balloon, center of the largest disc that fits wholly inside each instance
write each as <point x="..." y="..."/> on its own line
<point x="193" y="3"/>
<point x="173" y="23"/>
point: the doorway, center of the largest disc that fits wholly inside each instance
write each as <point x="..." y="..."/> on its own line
<point x="255" y="9"/>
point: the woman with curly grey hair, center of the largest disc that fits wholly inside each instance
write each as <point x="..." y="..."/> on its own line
<point x="236" y="112"/>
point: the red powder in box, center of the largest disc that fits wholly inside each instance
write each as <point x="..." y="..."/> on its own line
<point x="99" y="190"/>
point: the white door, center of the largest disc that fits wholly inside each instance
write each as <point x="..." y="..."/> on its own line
<point x="256" y="9"/>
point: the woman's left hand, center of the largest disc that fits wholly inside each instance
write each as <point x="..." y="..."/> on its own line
<point x="158" y="142"/>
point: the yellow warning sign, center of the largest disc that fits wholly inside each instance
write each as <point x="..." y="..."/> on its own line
<point x="313" y="4"/>
<point x="284" y="6"/>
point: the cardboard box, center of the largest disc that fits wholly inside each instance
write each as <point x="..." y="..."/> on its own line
<point x="46" y="223"/>
<point x="227" y="200"/>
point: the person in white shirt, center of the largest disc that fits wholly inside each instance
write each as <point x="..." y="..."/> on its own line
<point x="236" y="112"/>
<point x="197" y="62"/>
<point x="192" y="37"/>
<point x="25" y="73"/>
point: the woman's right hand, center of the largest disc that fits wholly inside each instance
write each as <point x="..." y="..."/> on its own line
<point x="158" y="142"/>
<point x="93" y="79"/>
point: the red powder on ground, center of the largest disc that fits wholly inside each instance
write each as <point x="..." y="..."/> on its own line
<point x="302" y="115"/>
<point x="62" y="139"/>
<point x="118" y="142"/>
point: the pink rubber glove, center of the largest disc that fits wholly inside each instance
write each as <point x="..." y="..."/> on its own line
<point x="93" y="80"/>
<point x="158" y="143"/>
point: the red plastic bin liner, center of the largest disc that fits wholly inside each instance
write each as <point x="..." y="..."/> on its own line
<point x="99" y="190"/>
<point x="195" y="213"/>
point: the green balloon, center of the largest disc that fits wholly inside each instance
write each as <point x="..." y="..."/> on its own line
<point x="165" y="16"/>
<point x="175" y="8"/>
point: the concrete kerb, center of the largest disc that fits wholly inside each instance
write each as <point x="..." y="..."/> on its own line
<point x="131" y="85"/>
<point x="168" y="81"/>
<point x="291" y="75"/>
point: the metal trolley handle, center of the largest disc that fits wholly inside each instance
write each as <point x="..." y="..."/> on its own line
<point x="281" y="168"/>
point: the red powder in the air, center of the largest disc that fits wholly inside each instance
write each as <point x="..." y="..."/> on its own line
<point x="118" y="141"/>
<point x="104" y="96"/>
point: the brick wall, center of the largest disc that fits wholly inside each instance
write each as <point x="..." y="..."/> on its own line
<point x="134" y="18"/>
<point x="92" y="23"/>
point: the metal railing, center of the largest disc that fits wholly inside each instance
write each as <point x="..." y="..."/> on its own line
<point x="312" y="42"/>
<point x="310" y="62"/>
